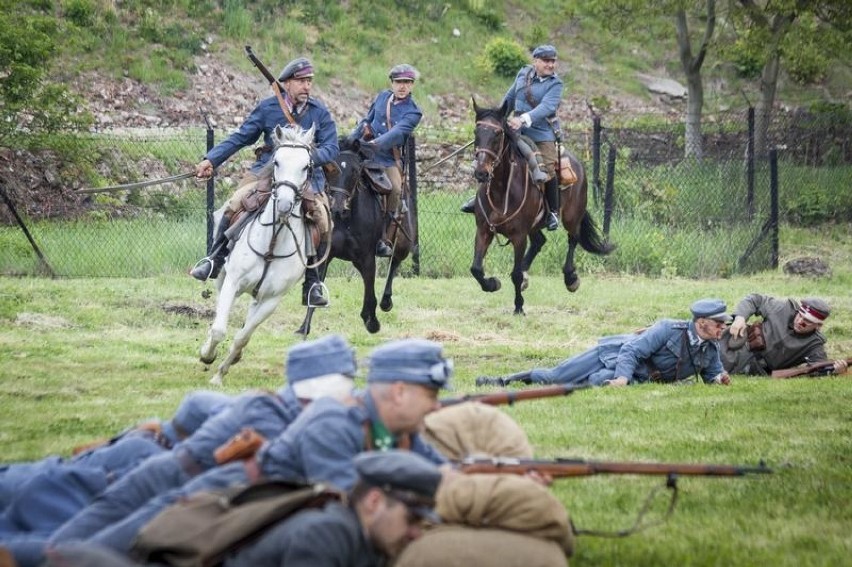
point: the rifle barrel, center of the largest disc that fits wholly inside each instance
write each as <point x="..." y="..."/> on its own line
<point x="565" y="468"/>
<point x="509" y="397"/>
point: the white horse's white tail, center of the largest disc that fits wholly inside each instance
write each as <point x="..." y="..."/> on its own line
<point x="278" y="232"/>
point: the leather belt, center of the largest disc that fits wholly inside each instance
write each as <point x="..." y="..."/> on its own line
<point x="252" y="468"/>
<point x="188" y="463"/>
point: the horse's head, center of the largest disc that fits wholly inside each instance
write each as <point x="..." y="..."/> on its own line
<point x="489" y="140"/>
<point x="291" y="166"/>
<point x="344" y="178"/>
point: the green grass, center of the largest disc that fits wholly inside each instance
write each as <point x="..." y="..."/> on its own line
<point x="83" y="358"/>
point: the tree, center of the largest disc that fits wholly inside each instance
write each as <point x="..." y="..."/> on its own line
<point x="27" y="98"/>
<point x="621" y="14"/>
<point x="773" y="31"/>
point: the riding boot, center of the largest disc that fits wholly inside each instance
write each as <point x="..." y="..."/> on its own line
<point x="313" y="286"/>
<point x="551" y="193"/>
<point x="383" y="247"/>
<point x="210" y="266"/>
<point x="524" y="377"/>
<point x="469" y="206"/>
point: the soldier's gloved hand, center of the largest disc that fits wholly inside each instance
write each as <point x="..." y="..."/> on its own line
<point x="204" y="169"/>
<point x="840" y="366"/>
<point x="737" y="328"/>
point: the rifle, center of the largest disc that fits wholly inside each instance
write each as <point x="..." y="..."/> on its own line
<point x="568" y="468"/>
<point x="825" y="368"/>
<point x="509" y="397"/>
<point x="262" y="68"/>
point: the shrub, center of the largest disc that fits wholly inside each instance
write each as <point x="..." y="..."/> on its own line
<point x="504" y="56"/>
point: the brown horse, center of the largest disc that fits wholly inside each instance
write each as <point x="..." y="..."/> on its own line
<point x="508" y="202"/>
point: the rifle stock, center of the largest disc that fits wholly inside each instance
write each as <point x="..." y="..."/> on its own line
<point x="261" y="67"/>
<point x="509" y="397"/>
<point x="567" y="468"/>
<point x="825" y="368"/>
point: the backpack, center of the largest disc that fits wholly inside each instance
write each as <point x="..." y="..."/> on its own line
<point x="201" y="530"/>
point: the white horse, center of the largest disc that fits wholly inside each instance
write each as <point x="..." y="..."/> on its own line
<point x="269" y="255"/>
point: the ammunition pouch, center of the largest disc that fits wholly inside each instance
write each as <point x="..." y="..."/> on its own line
<point x="241" y="446"/>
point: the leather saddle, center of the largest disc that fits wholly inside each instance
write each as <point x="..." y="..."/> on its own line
<point x="379" y="180"/>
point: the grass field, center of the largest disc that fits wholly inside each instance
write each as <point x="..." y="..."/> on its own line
<point x="84" y="358"/>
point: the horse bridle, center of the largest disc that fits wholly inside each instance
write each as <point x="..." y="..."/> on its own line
<point x="496" y="156"/>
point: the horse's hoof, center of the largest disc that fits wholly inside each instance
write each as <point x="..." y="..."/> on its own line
<point x="492" y="285"/>
<point x="572" y="282"/>
<point x="207" y="359"/>
<point x="386" y="304"/>
<point x="302" y="331"/>
<point x="520" y="311"/>
<point x="373" y="326"/>
<point x="216" y="380"/>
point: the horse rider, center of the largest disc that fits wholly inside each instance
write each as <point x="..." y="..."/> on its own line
<point x="667" y="351"/>
<point x="293" y="106"/>
<point x="534" y="97"/>
<point x="392" y="118"/>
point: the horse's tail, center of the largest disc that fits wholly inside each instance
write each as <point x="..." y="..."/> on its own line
<point x="591" y="239"/>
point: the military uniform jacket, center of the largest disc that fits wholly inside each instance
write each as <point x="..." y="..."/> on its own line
<point x="312" y="538"/>
<point x="263" y="120"/>
<point x="546" y="94"/>
<point x="405" y="115"/>
<point x="672" y="349"/>
<point x="784" y="348"/>
<point x="320" y="444"/>
<point x="268" y="414"/>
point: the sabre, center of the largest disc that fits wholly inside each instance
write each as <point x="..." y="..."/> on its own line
<point x="442" y="160"/>
<point x="137" y="185"/>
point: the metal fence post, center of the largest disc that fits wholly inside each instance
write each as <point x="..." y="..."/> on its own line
<point x="610" y="189"/>
<point x="750" y="164"/>
<point x="412" y="184"/>
<point x="773" y="204"/>
<point x="211" y="183"/>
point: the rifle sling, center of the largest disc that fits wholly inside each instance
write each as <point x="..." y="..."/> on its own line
<point x="283" y="104"/>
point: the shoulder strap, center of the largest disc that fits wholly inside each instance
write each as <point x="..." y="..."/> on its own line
<point x="283" y="105"/>
<point x="396" y="156"/>
<point x="528" y="87"/>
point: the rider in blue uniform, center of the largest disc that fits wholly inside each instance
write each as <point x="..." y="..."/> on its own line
<point x="402" y="388"/>
<point x="533" y="99"/>
<point x="294" y="106"/>
<point x="392" y="118"/>
<point x="668" y="351"/>
<point x="323" y="367"/>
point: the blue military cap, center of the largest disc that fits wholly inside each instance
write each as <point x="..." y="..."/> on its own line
<point x="403" y="72"/>
<point x="715" y="309"/>
<point x="331" y="354"/>
<point x="403" y="475"/>
<point x="193" y="410"/>
<point x="416" y="361"/>
<point x="545" y="51"/>
<point x="298" y="68"/>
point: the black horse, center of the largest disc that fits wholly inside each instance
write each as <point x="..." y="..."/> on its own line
<point x="508" y="202"/>
<point x="358" y="225"/>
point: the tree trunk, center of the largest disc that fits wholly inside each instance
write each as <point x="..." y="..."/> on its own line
<point x="768" y="87"/>
<point x="693" y="144"/>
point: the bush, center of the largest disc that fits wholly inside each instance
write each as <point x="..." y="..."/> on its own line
<point x="503" y="56"/>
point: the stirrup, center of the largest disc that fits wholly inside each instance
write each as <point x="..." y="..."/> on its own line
<point x="322" y="290"/>
<point x="383" y="250"/>
<point x="203" y="269"/>
<point x="552" y="221"/>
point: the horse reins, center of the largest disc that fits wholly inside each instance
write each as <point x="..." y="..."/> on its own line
<point x="497" y="158"/>
<point x="277" y="223"/>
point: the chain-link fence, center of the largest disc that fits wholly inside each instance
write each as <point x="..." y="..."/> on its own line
<point x="668" y="215"/>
